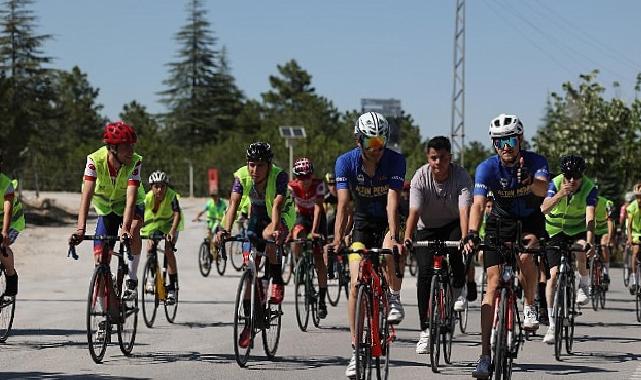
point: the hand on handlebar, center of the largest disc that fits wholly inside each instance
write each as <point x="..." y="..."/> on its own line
<point x="76" y="237"/>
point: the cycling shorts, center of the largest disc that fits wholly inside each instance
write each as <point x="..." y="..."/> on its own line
<point x="370" y="234"/>
<point x="304" y="224"/>
<point x="109" y="225"/>
<point x="255" y="231"/>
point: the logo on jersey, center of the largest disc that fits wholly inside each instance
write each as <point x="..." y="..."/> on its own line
<point x="92" y="167"/>
<point x="360" y="178"/>
<point x="504" y="182"/>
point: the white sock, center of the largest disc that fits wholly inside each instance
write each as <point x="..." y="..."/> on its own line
<point x="606" y="267"/>
<point x="551" y="316"/>
<point x="133" y="268"/>
<point x="395" y="293"/>
<point x="583" y="280"/>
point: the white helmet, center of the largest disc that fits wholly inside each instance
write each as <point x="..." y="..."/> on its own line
<point x="372" y="124"/>
<point x="505" y="125"/>
<point x="158" y="177"/>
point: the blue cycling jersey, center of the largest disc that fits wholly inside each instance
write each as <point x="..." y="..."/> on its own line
<point x="370" y="193"/>
<point x="511" y="199"/>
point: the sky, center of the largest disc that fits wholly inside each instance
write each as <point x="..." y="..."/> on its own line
<point x="517" y="52"/>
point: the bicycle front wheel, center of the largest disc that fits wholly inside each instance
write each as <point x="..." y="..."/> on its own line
<point x="500" y="341"/>
<point x="594" y="283"/>
<point x="462" y="315"/>
<point x="570" y="314"/>
<point x="447" y="332"/>
<point x="638" y="302"/>
<point x="559" y="312"/>
<point x="334" y="284"/>
<point x="271" y="328"/>
<point x="243" y="319"/>
<point x="221" y="264"/>
<point x="312" y="293"/>
<point x="301" y="299"/>
<point x="627" y="259"/>
<point x="363" y="319"/>
<point x="7" y="309"/>
<point x="98" y="327"/>
<point x="149" y="295"/>
<point x="204" y="260"/>
<point x="413" y="267"/>
<point x="236" y="255"/>
<point x="172" y="308"/>
<point x="128" y="324"/>
<point x="382" y="362"/>
<point x="434" y="313"/>
<point x="286" y="263"/>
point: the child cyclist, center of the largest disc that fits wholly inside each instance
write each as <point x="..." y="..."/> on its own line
<point x="215" y="209"/>
<point x="163" y="214"/>
<point x="12" y="216"/>
<point x="112" y="183"/>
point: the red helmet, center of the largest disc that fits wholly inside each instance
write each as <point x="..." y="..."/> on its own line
<point x="303" y="167"/>
<point x="119" y="133"/>
<point x="406" y="185"/>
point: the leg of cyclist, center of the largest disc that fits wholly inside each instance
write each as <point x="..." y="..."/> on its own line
<point x="11" y="289"/>
<point x="553" y="259"/>
<point x="605" y="244"/>
<point x="321" y="271"/>
<point x="275" y="267"/>
<point x="136" y="248"/>
<point x="396" y="312"/>
<point x="297" y="233"/>
<point x="482" y="370"/>
<point x="583" y="292"/>
<point x="633" y="280"/>
<point x="424" y="261"/>
<point x="529" y="278"/>
<point x="172" y="269"/>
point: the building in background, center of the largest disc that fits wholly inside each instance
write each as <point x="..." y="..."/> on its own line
<point x="391" y="109"/>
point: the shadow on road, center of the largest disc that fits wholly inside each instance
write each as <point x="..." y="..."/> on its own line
<point x="39" y="332"/>
<point x="559" y="369"/>
<point x="56" y="375"/>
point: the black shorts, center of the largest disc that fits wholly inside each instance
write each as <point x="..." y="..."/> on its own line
<point x="255" y="231"/>
<point x="553" y="255"/>
<point x="371" y="234"/>
<point x="305" y="223"/>
<point x="533" y="224"/>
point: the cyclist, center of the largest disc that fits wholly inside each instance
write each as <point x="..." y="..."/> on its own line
<point x="634" y="233"/>
<point x="12" y="216"/>
<point x="215" y="209"/>
<point x="439" y="204"/>
<point x="518" y="179"/>
<point x="605" y="215"/>
<point x="308" y="193"/>
<point x="271" y="214"/>
<point x="112" y="183"/>
<point x="374" y="176"/>
<point x="569" y="208"/>
<point x="163" y="214"/>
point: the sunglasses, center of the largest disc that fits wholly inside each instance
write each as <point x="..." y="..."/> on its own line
<point x="570" y="176"/>
<point x="374" y="143"/>
<point x="510" y="141"/>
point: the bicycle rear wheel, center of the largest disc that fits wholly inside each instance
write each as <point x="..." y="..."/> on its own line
<point x="221" y="264"/>
<point x="627" y="259"/>
<point x="312" y="293"/>
<point x="570" y="307"/>
<point x="301" y="299"/>
<point x="594" y="283"/>
<point x="287" y="264"/>
<point x="501" y="370"/>
<point x="172" y="309"/>
<point x="638" y="302"/>
<point x="363" y="319"/>
<point x="204" y="260"/>
<point x="243" y="318"/>
<point x="334" y="284"/>
<point x="128" y="324"/>
<point x="272" y="314"/>
<point x="7" y="308"/>
<point x="559" y="312"/>
<point x="413" y="267"/>
<point x="236" y="255"/>
<point x="149" y="296"/>
<point x="97" y="315"/>
<point x="434" y="312"/>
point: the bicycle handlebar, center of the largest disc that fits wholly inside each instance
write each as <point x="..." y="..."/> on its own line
<point x="106" y="238"/>
<point x="158" y="237"/>
<point x="381" y="251"/>
<point x="437" y="243"/>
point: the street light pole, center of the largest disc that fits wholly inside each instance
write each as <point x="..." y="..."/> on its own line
<point x="291" y="134"/>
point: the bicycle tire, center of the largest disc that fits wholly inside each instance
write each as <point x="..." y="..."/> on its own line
<point x="171" y="310"/>
<point x="413" y="267"/>
<point x="363" y="321"/>
<point x="246" y="284"/>
<point x="334" y="285"/>
<point x="500" y="340"/>
<point x="462" y="316"/>
<point x="287" y="267"/>
<point x="594" y="287"/>
<point x="450" y="319"/>
<point x="638" y="303"/>
<point x="204" y="260"/>
<point x="235" y="255"/>
<point x="559" y="313"/>
<point x="435" y="324"/>
<point x="7" y="308"/>
<point x="313" y="293"/>
<point x="300" y="296"/>
<point x="627" y="259"/>
<point x="128" y="324"/>
<point x="382" y="362"/>
<point x="149" y="294"/>
<point x="97" y="287"/>
<point x="570" y="304"/>
<point x="221" y="264"/>
<point x="272" y="314"/>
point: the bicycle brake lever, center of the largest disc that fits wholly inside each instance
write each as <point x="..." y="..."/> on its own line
<point x="72" y="252"/>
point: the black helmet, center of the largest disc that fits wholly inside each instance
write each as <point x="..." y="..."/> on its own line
<point x="572" y="166"/>
<point x="259" y="151"/>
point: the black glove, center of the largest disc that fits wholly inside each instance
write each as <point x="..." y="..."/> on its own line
<point x="408" y="244"/>
<point x="472" y="236"/>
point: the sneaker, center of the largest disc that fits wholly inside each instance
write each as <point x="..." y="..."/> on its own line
<point x="606" y="279"/>
<point x="633" y="289"/>
<point x="150" y="286"/>
<point x="278" y="292"/>
<point x="101" y="334"/>
<point x="549" y="336"/>
<point x="130" y="293"/>
<point x="423" y="345"/>
<point x="11" y="289"/>
<point x="582" y="295"/>
<point x="171" y="297"/>
<point x="322" y="310"/>
<point x="350" y="371"/>
<point x="530" y="320"/>
<point x="245" y="337"/>
<point x="482" y="370"/>
<point x="396" y="311"/>
<point x="460" y="304"/>
<point x="471" y="291"/>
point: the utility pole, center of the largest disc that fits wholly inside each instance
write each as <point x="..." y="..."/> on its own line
<point x="457" y="134"/>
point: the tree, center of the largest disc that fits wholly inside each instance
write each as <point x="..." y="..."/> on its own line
<point x="226" y="98"/>
<point x="191" y="116"/>
<point x="475" y="153"/>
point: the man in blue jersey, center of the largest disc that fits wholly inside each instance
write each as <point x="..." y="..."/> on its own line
<point x="519" y="180"/>
<point x="372" y="176"/>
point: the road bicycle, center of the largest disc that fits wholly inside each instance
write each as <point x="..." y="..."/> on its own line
<point x="207" y="254"/>
<point x="441" y="315"/>
<point x="337" y="275"/>
<point x="107" y="302"/>
<point x="155" y="284"/>
<point x="306" y="284"/>
<point x="637" y="293"/>
<point x="374" y="334"/>
<point x="598" y="287"/>
<point x="254" y="312"/>
<point x="7" y="303"/>
<point x="236" y="250"/>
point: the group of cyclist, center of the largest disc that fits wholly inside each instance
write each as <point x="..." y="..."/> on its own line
<point x="363" y="200"/>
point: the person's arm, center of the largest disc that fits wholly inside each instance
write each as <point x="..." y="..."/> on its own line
<point x="176" y="218"/>
<point x="88" y="189"/>
<point x="6" y="220"/>
<point x="319" y="209"/>
<point x="629" y="228"/>
<point x="393" y="199"/>
<point x="199" y="215"/>
<point x="553" y="197"/>
<point x="589" y="221"/>
<point x="476" y="213"/>
<point x="540" y="186"/>
<point x="128" y="216"/>
<point x="341" y="215"/>
<point x="277" y="209"/>
<point x="232" y="208"/>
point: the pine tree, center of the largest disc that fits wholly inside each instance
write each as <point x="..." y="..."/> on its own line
<point x="227" y="99"/>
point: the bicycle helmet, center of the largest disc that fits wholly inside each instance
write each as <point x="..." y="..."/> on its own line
<point x="303" y="167"/>
<point x="330" y="179"/>
<point x="119" y="133"/>
<point x="637" y="189"/>
<point x="629" y="196"/>
<point x="158" y="177"/>
<point x="505" y="125"/>
<point x="372" y="124"/>
<point x="572" y="166"/>
<point x="259" y="151"/>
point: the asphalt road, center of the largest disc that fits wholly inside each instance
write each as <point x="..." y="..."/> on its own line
<point x="49" y="339"/>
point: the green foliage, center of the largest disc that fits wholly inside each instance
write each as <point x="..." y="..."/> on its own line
<point x="474" y="153"/>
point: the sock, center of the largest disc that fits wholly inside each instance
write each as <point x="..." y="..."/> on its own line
<point x="173" y="278"/>
<point x="551" y="316"/>
<point x="395" y="293"/>
<point x="321" y="293"/>
<point x="276" y="273"/>
<point x="606" y="268"/>
<point x="247" y="307"/>
<point x="133" y="268"/>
